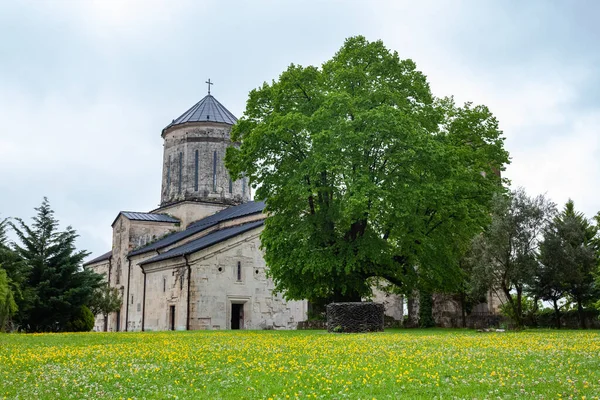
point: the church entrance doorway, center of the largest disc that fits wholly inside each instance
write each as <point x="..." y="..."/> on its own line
<point x="172" y="318"/>
<point x="237" y="316"/>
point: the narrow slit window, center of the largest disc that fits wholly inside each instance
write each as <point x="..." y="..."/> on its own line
<point x="131" y="299"/>
<point x="230" y="185"/>
<point x="169" y="174"/>
<point x="196" y="171"/>
<point x="215" y="171"/>
<point x="239" y="271"/>
<point x="164" y="285"/>
<point x="180" y="172"/>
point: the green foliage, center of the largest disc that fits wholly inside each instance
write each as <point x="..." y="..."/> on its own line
<point x="55" y="284"/>
<point x="105" y="300"/>
<point x="529" y="308"/>
<point x="365" y="174"/>
<point x="569" y="257"/>
<point x="10" y="279"/>
<point x="8" y="306"/>
<point x="504" y="258"/>
<point x="81" y="321"/>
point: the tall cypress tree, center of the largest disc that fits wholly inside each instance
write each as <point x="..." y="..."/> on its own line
<point x="57" y="285"/>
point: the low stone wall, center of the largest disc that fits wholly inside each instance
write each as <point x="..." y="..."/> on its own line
<point x="355" y="317"/>
<point x="316" y="324"/>
<point x="474" y="321"/>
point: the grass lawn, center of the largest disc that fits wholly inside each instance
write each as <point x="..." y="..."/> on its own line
<point x="428" y="364"/>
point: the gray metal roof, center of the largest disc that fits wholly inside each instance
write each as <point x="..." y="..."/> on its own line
<point x="206" y="110"/>
<point x="103" y="257"/>
<point x="138" y="216"/>
<point x="205" y="241"/>
<point x="143" y="216"/>
<point x="249" y="208"/>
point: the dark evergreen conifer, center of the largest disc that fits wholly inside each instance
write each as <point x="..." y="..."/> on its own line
<point x="57" y="286"/>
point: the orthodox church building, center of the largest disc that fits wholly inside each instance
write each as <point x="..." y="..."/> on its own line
<point x="195" y="262"/>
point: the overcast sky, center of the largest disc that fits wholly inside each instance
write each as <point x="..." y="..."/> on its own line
<point x="87" y="86"/>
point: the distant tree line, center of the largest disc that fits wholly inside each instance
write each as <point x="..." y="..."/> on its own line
<point x="532" y="253"/>
<point x="43" y="286"/>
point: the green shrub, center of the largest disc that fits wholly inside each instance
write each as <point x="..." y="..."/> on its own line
<point x="81" y="321"/>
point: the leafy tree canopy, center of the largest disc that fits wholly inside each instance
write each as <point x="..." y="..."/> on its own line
<point x="365" y="173"/>
<point x="106" y="300"/>
<point x="505" y="257"/>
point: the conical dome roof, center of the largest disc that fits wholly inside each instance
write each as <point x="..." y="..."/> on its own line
<point x="206" y="110"/>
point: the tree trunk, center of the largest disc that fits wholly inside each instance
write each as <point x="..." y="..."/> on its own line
<point x="517" y="320"/>
<point x="518" y="308"/>
<point x="105" y="322"/>
<point x="556" y="313"/>
<point x="580" y="313"/>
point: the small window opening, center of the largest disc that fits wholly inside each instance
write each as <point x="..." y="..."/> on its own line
<point x="220" y="269"/>
<point x="169" y="174"/>
<point x="239" y="271"/>
<point x="215" y="171"/>
<point x="164" y="285"/>
<point x="131" y="299"/>
<point x="180" y="173"/>
<point x="196" y="171"/>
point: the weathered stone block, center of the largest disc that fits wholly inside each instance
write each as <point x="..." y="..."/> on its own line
<point x="355" y="317"/>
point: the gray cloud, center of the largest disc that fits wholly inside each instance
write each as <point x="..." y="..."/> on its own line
<point x="86" y="87"/>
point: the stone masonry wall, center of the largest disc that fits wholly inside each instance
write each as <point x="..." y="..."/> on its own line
<point x="207" y="139"/>
<point x="215" y="287"/>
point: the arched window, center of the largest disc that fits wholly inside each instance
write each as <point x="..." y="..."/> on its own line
<point x="215" y="171"/>
<point x="118" y="273"/>
<point x="169" y="174"/>
<point x="180" y="172"/>
<point x="196" y="171"/>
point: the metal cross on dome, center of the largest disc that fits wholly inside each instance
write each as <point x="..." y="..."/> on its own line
<point x="209" y="83"/>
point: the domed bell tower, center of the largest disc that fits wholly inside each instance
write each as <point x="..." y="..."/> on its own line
<point x="194" y="155"/>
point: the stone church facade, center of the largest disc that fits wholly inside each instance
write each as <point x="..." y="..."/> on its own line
<point x="195" y="262"/>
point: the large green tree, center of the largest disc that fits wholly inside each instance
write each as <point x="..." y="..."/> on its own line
<point x="505" y="257"/>
<point x="365" y="173"/>
<point x="58" y="285"/>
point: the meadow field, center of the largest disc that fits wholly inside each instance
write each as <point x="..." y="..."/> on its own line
<point x="427" y="364"/>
